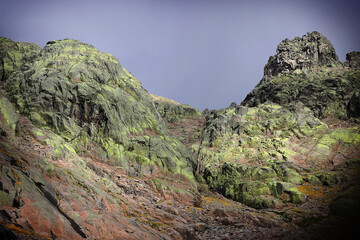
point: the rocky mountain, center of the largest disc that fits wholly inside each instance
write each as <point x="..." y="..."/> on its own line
<point x="294" y="139"/>
<point x="73" y="107"/>
<point x="87" y="153"/>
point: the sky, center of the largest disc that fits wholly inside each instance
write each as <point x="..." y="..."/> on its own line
<point x="205" y="53"/>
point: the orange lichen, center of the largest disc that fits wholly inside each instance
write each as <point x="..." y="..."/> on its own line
<point x="318" y="192"/>
<point x="21" y="230"/>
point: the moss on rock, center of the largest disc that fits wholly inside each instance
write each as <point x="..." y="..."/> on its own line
<point x="92" y="105"/>
<point x="8" y="114"/>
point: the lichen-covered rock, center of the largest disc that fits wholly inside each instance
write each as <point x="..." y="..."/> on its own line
<point x="309" y="51"/>
<point x="184" y="122"/>
<point x="8" y="115"/>
<point x="172" y="111"/>
<point x="85" y="151"/>
<point x="14" y="55"/>
<point x="353" y="60"/>
<point x="326" y="91"/>
<point x="291" y="123"/>
<point x="307" y="69"/>
<point x="254" y="186"/>
<point x="286" y="172"/>
<point x="88" y="99"/>
<point x="287" y="192"/>
<point x="72" y="79"/>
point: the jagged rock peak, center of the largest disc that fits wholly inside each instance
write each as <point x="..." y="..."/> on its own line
<point x="313" y="49"/>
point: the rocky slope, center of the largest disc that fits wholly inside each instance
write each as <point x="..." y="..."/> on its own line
<point x="64" y="109"/>
<point x="87" y="153"/>
<point x="294" y="140"/>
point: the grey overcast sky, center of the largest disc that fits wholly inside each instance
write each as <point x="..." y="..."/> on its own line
<point x="206" y="53"/>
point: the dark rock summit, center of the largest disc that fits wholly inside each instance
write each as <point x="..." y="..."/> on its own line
<point x="307" y="69"/>
<point x="303" y="53"/>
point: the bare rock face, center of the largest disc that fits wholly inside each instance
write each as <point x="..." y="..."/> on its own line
<point x="353" y="60"/>
<point x="313" y="49"/>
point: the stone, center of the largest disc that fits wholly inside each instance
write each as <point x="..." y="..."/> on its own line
<point x="353" y="60"/>
<point x="14" y="56"/>
<point x="313" y="49"/>
<point x="289" y="189"/>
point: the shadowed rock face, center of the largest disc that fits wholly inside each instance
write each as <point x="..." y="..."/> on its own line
<point x="353" y="107"/>
<point x="353" y="60"/>
<point x="303" y="53"/>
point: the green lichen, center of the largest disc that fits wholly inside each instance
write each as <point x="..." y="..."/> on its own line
<point x="349" y="136"/>
<point x="8" y="112"/>
<point x="293" y="194"/>
<point x="90" y="105"/>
